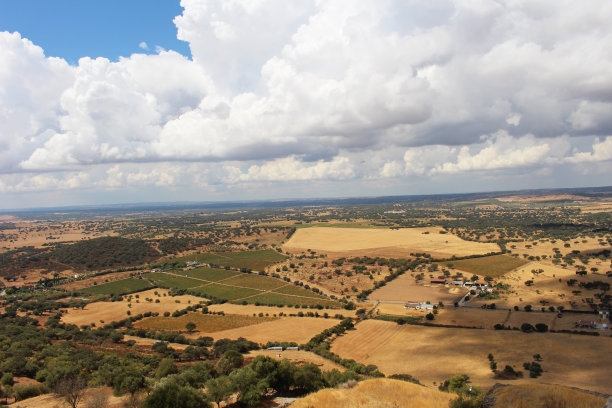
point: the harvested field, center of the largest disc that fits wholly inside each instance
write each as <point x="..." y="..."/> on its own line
<point x="115" y="311"/>
<point x="298" y="356"/>
<point x="405" y="288"/>
<point x="378" y="241"/>
<point x="296" y="329"/>
<point x="205" y="323"/>
<point x="248" y="310"/>
<point x="544" y="396"/>
<point x="95" y="280"/>
<point x="470" y="317"/>
<point x="568" y="359"/>
<point x="516" y="319"/>
<point x="119" y="287"/>
<point x="377" y="393"/>
<point x="493" y="266"/>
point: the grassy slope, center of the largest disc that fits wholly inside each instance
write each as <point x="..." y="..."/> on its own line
<point x="377" y="393"/>
<point x="255" y="260"/>
<point x="543" y="396"/>
<point x="493" y="266"/>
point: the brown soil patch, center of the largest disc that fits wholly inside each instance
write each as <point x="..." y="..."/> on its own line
<point x="384" y="241"/>
<point x="434" y="354"/>
<point x="405" y="288"/>
<point x="115" y="311"/>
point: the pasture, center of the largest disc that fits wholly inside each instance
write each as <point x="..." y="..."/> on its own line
<point x="119" y="287"/>
<point x="393" y="243"/>
<point x="493" y="266"/>
<point x="568" y="359"/>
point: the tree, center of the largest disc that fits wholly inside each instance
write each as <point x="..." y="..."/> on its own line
<point x="165" y="368"/>
<point x="429" y="316"/>
<point x="190" y="326"/>
<point x="218" y="389"/>
<point x="130" y="381"/>
<point x="230" y="360"/>
<point x="172" y="395"/>
<point x="71" y="389"/>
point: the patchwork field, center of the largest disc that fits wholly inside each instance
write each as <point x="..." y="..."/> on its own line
<point x="119" y="287"/>
<point x="405" y="288"/>
<point x="571" y="360"/>
<point x="204" y="323"/>
<point x="241" y="287"/>
<point x="255" y="260"/>
<point x="384" y="242"/>
<point x="115" y="311"/>
<point x="249" y="310"/>
<point x="295" y="329"/>
<point x="493" y="266"/>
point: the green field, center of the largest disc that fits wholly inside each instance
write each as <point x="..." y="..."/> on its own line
<point x="254" y="260"/>
<point x="211" y="274"/>
<point x="120" y="287"/>
<point x="493" y="266"/>
<point x="241" y="287"/>
<point x="177" y="282"/>
<point x="225" y="292"/>
<point x="255" y="281"/>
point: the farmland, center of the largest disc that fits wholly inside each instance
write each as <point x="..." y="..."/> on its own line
<point x="153" y="300"/>
<point x="384" y="242"/>
<point x="386" y="345"/>
<point x="241" y="287"/>
<point x="204" y="323"/>
<point x="493" y="266"/>
<point x="254" y="260"/>
<point x="119" y="287"/>
<point x="405" y="288"/>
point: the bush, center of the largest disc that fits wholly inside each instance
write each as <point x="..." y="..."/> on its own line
<point x="527" y="328"/>
<point x="24" y="391"/>
<point x="541" y="327"/>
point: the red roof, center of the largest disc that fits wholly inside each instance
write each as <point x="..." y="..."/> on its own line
<point x="437" y="281"/>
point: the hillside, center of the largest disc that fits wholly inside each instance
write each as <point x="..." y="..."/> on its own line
<point x="377" y="393"/>
<point x="540" y="396"/>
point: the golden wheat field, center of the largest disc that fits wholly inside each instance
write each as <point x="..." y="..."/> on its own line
<point x="377" y="393"/>
<point x="384" y="242"/>
<point x="290" y="329"/>
<point x="443" y="352"/>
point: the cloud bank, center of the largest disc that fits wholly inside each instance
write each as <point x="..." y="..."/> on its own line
<point x="295" y="91"/>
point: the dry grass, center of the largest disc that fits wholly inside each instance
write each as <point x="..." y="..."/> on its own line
<point x="405" y="288"/>
<point x="299" y="356"/>
<point x="545" y="396"/>
<point x="378" y="393"/>
<point x="569" y="359"/>
<point x="115" y="311"/>
<point x="55" y="401"/>
<point x="248" y="310"/>
<point x="296" y="329"/>
<point x="391" y="242"/>
<point x="204" y="323"/>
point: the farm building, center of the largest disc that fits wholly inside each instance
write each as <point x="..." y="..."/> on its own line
<point x="293" y="348"/>
<point x="438" y="281"/>
<point x="418" y="305"/>
<point x="277" y="348"/>
<point x="587" y="323"/>
<point x="458" y="282"/>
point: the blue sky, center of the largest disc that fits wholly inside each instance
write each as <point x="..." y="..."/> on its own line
<point x="72" y="29"/>
<point x="265" y="99"/>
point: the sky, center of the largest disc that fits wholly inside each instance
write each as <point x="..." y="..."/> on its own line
<point x="211" y="100"/>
